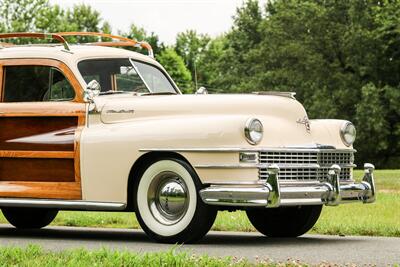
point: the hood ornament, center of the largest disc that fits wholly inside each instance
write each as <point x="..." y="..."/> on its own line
<point x="306" y="123"/>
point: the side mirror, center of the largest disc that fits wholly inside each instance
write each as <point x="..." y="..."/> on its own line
<point x="201" y="91"/>
<point x="92" y="90"/>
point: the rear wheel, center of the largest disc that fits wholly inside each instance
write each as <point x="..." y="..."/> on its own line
<point x="167" y="204"/>
<point x="29" y="218"/>
<point x="284" y="221"/>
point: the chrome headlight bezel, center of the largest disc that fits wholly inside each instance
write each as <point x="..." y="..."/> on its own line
<point x="254" y="131"/>
<point x="348" y="133"/>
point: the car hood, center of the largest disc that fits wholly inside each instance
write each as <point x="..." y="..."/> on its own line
<point x="220" y="119"/>
<point x="118" y="108"/>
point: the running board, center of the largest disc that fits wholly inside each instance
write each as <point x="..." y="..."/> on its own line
<point x="61" y="204"/>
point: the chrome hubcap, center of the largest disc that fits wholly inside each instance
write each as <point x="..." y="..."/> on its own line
<point x="168" y="198"/>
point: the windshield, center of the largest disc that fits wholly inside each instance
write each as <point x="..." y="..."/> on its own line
<point x="125" y="75"/>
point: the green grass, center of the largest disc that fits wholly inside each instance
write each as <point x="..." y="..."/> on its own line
<point x="379" y="219"/>
<point x="386" y="180"/>
<point x="35" y="256"/>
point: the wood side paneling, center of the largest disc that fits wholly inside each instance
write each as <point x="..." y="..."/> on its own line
<point x="37" y="170"/>
<point x="38" y="133"/>
<point x="77" y="149"/>
<point x="1" y="80"/>
<point x="42" y="109"/>
<point x="41" y="157"/>
<point x="37" y="154"/>
<point x="58" y="190"/>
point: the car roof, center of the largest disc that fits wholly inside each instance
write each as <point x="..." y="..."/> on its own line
<point x="76" y="53"/>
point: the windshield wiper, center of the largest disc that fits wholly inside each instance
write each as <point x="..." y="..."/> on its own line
<point x="111" y="92"/>
<point x="160" y="93"/>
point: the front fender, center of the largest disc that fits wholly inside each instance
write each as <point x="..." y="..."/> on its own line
<point x="108" y="151"/>
<point x="327" y="132"/>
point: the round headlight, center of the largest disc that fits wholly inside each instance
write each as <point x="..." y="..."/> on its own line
<point x="348" y="133"/>
<point x="253" y="131"/>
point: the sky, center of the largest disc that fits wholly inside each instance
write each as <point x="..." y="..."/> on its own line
<point x="166" y="18"/>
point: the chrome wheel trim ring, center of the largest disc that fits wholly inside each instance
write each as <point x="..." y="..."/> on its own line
<point x="168" y="198"/>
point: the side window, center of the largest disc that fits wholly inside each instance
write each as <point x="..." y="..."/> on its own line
<point x="155" y="79"/>
<point x="129" y="80"/>
<point x="112" y="74"/>
<point x="35" y="84"/>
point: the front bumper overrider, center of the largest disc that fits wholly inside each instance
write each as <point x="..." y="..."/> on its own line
<point x="273" y="194"/>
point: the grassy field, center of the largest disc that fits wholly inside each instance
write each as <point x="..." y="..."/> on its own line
<point x="379" y="219"/>
<point x="33" y="256"/>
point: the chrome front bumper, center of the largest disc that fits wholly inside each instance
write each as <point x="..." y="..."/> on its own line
<point x="273" y="194"/>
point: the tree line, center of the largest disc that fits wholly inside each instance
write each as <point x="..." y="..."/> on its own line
<point x="341" y="57"/>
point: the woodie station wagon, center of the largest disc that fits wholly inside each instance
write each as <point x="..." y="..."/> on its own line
<point x="96" y="127"/>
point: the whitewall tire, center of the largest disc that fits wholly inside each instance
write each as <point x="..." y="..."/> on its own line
<point x="167" y="203"/>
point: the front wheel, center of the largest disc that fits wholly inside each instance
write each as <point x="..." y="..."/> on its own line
<point x="284" y="221"/>
<point x="167" y="204"/>
<point x="29" y="218"/>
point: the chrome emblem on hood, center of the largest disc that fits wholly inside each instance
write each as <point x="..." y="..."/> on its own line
<point x="306" y="123"/>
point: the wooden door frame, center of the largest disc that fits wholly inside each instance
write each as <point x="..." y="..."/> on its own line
<point x="76" y="107"/>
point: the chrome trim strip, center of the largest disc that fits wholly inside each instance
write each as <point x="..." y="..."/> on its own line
<point x="265" y="166"/>
<point x="61" y="204"/>
<point x="231" y="166"/>
<point x="250" y="149"/>
<point x="277" y="93"/>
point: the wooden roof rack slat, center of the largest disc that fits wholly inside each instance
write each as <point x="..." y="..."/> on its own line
<point x="36" y="35"/>
<point x="122" y="41"/>
<point x="59" y="36"/>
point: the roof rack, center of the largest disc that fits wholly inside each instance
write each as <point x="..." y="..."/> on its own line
<point x="35" y="35"/>
<point x="59" y="36"/>
<point x="122" y="41"/>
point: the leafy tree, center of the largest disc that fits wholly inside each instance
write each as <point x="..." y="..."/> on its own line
<point x="175" y="66"/>
<point x="371" y="117"/>
<point x="140" y="34"/>
<point x="106" y="28"/>
<point x="190" y="45"/>
<point x="240" y="49"/>
<point x="21" y="15"/>
<point x="84" y="18"/>
<point x="41" y="16"/>
<point x="209" y="73"/>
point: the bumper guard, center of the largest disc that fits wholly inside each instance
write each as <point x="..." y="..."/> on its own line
<point x="271" y="194"/>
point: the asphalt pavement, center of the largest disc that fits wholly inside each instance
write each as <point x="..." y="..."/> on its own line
<point x="311" y="249"/>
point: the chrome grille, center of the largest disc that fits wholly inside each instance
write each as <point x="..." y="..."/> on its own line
<point x="335" y="158"/>
<point x="293" y="164"/>
<point x="288" y="158"/>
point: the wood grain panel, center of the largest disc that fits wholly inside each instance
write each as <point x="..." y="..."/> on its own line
<point x="41" y="190"/>
<point x="77" y="149"/>
<point x="37" y="170"/>
<point x="41" y="109"/>
<point x="1" y="81"/>
<point x="37" y="154"/>
<point x="38" y="133"/>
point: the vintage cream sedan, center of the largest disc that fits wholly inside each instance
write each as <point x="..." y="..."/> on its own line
<point x="93" y="127"/>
